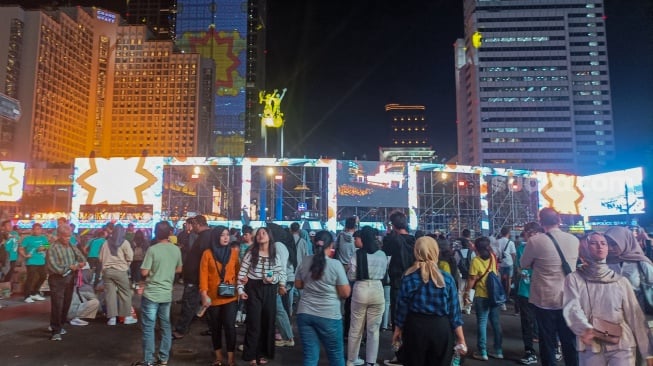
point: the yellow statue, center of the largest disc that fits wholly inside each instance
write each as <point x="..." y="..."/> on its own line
<point x="272" y="115"/>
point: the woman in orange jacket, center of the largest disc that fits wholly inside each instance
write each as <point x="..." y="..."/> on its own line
<point x="219" y="265"/>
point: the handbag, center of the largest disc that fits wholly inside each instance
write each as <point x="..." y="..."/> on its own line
<point x="225" y="289"/>
<point x="603" y="330"/>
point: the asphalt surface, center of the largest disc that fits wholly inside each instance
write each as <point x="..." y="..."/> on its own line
<point x="24" y="341"/>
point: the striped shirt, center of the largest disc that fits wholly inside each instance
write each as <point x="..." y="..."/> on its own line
<point x="262" y="268"/>
<point x="60" y="257"/>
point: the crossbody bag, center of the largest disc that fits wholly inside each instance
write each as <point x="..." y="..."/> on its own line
<point x="603" y="330"/>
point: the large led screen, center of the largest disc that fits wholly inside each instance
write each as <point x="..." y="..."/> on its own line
<point x="118" y="185"/>
<point x="372" y="184"/>
<point x="12" y="175"/>
<point x="218" y="31"/>
<point x="613" y="193"/>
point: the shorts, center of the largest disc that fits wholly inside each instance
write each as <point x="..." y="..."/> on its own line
<point x="506" y="271"/>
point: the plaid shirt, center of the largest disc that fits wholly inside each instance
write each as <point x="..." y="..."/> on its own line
<point x="60" y="257"/>
<point x="429" y="301"/>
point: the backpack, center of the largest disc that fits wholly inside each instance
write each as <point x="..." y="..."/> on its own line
<point x="495" y="292"/>
<point x="464" y="262"/>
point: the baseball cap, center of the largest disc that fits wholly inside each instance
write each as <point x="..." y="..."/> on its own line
<point x="312" y="233"/>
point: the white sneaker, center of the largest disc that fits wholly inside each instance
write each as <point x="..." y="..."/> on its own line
<point x="111" y="321"/>
<point x="37" y="297"/>
<point x="358" y="362"/>
<point x="78" y="321"/>
<point x="29" y="300"/>
<point x="503" y="307"/>
<point x="130" y="320"/>
<point x="62" y="331"/>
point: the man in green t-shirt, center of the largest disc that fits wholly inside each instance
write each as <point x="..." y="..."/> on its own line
<point x="160" y="264"/>
<point x="11" y="246"/>
<point x="33" y="249"/>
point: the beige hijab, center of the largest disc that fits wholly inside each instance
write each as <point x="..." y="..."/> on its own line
<point x="426" y="261"/>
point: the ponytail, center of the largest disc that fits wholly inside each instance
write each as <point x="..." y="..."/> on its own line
<point x="319" y="259"/>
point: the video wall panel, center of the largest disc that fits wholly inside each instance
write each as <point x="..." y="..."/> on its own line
<point x="12" y="175"/>
<point x="614" y="193"/>
<point x="218" y="30"/>
<point x="372" y="184"/>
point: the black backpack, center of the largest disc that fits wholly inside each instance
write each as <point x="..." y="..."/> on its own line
<point x="464" y="262"/>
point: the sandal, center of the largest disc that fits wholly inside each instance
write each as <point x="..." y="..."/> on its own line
<point x="217" y="363"/>
<point x="262" y="361"/>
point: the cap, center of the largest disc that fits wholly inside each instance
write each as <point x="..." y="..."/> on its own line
<point x="312" y="233"/>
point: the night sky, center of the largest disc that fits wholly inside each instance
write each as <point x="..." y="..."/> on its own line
<point x="342" y="61"/>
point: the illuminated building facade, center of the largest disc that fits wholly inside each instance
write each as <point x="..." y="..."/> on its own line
<point x="157" y="15"/>
<point x="231" y="34"/>
<point x="155" y="97"/>
<point x="533" y="89"/>
<point x="87" y="84"/>
<point x="409" y="140"/>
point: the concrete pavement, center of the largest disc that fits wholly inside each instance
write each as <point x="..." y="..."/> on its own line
<point x="24" y="341"/>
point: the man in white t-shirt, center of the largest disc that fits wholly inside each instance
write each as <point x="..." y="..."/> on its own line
<point x="504" y="248"/>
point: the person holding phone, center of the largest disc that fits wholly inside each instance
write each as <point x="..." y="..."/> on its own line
<point x="260" y="276"/>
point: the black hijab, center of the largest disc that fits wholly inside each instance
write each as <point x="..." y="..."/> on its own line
<point x="369" y="247"/>
<point x="221" y="253"/>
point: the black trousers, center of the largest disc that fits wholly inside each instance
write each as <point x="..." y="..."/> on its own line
<point x="190" y="303"/>
<point x="528" y="323"/>
<point x="35" y="277"/>
<point x="61" y="295"/>
<point x="223" y="317"/>
<point x="427" y="340"/>
<point x="12" y="268"/>
<point x="261" y="307"/>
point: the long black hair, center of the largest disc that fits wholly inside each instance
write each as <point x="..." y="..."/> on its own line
<point x="319" y="259"/>
<point x="256" y="246"/>
<point x="284" y="237"/>
<point x="483" y="247"/>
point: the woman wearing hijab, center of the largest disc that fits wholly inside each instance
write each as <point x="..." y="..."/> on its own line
<point x="428" y="319"/>
<point x="625" y="256"/>
<point x="367" y="268"/>
<point x="260" y="276"/>
<point x="116" y="255"/>
<point x="219" y="265"/>
<point x="596" y="292"/>
<point x="481" y="265"/>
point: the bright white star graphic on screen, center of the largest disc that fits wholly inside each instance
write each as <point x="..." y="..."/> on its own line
<point x="7" y="181"/>
<point x="116" y="181"/>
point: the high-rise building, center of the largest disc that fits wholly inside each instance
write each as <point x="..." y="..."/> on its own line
<point x="232" y="33"/>
<point x="88" y="85"/>
<point x="157" y="15"/>
<point x="409" y="139"/>
<point x="533" y="89"/>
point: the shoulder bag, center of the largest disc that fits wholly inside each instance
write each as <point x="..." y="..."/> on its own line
<point x="225" y="289"/>
<point x="603" y="330"/>
<point x="565" y="265"/>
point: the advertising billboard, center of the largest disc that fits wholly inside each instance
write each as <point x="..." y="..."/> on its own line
<point x="372" y="184"/>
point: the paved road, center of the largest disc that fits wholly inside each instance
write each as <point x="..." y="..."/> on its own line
<point x="24" y="341"/>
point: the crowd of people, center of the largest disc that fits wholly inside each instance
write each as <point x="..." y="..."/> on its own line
<point x="581" y="299"/>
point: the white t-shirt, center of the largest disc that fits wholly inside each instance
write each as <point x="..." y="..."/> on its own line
<point x="504" y="250"/>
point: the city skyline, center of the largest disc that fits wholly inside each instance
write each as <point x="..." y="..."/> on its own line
<point x="342" y="63"/>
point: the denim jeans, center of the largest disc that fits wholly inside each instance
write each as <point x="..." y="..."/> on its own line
<point x="288" y="298"/>
<point x="483" y="311"/>
<point x="150" y="312"/>
<point x="315" y="329"/>
<point x="386" y="312"/>
<point x="282" y="321"/>
<point x="190" y="303"/>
